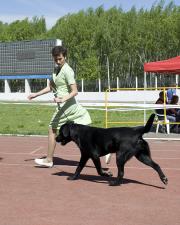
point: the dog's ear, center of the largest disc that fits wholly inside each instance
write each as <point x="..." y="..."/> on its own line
<point x="66" y="130"/>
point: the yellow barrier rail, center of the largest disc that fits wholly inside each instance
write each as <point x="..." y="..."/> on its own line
<point x="107" y="105"/>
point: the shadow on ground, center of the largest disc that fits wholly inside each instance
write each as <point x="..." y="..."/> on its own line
<point x="100" y="179"/>
<point x="60" y="161"/>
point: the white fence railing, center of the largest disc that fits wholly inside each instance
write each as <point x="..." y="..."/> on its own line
<point x="32" y="85"/>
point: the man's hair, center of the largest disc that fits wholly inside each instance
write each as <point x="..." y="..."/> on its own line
<point x="57" y="50"/>
<point x="161" y="94"/>
<point x="175" y="99"/>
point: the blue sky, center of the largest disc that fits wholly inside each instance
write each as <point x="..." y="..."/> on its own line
<point x="52" y="10"/>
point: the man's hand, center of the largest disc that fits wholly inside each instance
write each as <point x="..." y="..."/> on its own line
<point x="31" y="96"/>
<point x="59" y="100"/>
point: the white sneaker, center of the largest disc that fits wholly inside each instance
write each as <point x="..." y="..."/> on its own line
<point x="43" y="162"/>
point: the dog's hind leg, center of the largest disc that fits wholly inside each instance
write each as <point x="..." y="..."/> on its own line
<point x="144" y="157"/>
<point x="99" y="169"/>
<point x="149" y="162"/>
<point x="79" y="168"/>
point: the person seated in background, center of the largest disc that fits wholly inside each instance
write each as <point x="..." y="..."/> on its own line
<point x="161" y="100"/>
<point x="160" y="112"/>
<point x="174" y="113"/>
<point x="171" y="92"/>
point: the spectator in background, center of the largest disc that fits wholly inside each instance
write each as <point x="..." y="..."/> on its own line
<point x="171" y="92"/>
<point x="174" y="112"/>
<point x="161" y="100"/>
<point x="170" y="114"/>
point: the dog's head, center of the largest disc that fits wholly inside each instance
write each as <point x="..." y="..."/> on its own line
<point x="64" y="133"/>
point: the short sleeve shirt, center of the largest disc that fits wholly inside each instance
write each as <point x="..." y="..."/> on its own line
<point x="63" y="80"/>
<point x="170" y="93"/>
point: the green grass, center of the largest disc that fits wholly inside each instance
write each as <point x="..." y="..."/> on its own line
<point x="34" y="119"/>
<point x="24" y="119"/>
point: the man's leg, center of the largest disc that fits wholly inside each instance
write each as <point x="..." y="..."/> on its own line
<point x="51" y="144"/>
<point x="48" y="161"/>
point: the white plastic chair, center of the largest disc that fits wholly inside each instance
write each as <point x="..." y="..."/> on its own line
<point x="160" y="121"/>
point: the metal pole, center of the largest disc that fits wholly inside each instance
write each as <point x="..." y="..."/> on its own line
<point x="156" y="82"/>
<point x="145" y="81"/>
<point x="109" y="86"/>
<point x="145" y="86"/>
<point x="99" y="85"/>
<point x="82" y="85"/>
<point x="136" y="83"/>
<point x="177" y="81"/>
<point x="117" y="83"/>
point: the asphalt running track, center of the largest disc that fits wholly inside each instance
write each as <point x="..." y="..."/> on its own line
<point x="30" y="195"/>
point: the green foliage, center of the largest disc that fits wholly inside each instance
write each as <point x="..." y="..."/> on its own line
<point x="23" y="30"/>
<point x="88" y="68"/>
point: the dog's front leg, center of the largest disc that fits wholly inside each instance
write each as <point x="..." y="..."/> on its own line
<point x="99" y="169"/>
<point x="119" y="178"/>
<point x="81" y="165"/>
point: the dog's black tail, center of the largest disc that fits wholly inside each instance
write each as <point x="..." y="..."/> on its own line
<point x="149" y="123"/>
<point x="145" y="129"/>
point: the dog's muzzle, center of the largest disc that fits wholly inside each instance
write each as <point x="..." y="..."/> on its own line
<point x="62" y="141"/>
<point x="58" y="139"/>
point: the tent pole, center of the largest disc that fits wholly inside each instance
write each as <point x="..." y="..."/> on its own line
<point x="145" y="81"/>
<point x="156" y="82"/>
<point x="145" y="86"/>
<point x="177" y="83"/>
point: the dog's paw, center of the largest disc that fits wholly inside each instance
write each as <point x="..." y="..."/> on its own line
<point x="164" y="180"/>
<point x="114" y="183"/>
<point x="71" y="178"/>
<point x="106" y="174"/>
<point x="109" y="173"/>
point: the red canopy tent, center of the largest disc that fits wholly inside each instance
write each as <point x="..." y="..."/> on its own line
<point x="166" y="66"/>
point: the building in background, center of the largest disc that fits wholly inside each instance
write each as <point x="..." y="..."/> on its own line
<point x="26" y="64"/>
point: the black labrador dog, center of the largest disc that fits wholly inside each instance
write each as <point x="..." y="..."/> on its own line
<point x="95" y="142"/>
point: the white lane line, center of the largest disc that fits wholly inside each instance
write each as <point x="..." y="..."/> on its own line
<point x="67" y="166"/>
<point x="14" y="153"/>
<point x="15" y="164"/>
<point x="36" y="150"/>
